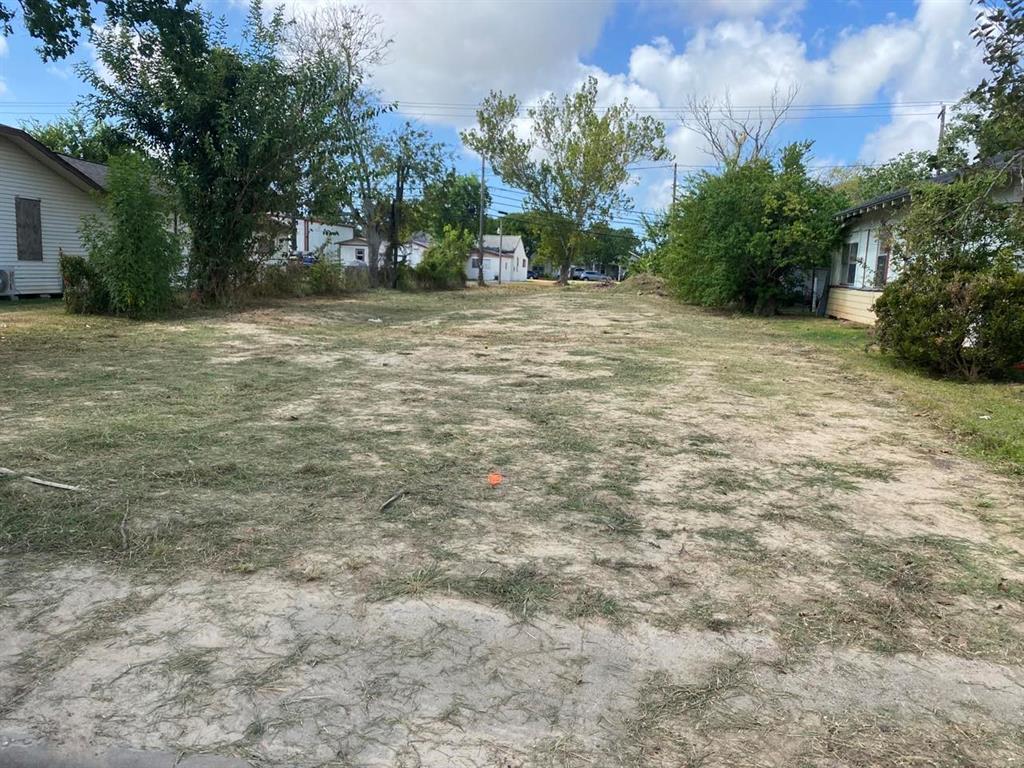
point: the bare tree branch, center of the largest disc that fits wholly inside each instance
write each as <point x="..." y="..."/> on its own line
<point x="733" y="135"/>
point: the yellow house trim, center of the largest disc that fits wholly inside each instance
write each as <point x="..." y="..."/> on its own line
<point x="851" y="304"/>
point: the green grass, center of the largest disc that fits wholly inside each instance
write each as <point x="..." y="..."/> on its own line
<point x="957" y="405"/>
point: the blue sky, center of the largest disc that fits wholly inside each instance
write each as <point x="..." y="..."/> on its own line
<point x="896" y="60"/>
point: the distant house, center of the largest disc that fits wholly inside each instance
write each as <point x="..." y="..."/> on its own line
<point x="862" y="265"/>
<point x="43" y="197"/>
<point x="509" y="265"/>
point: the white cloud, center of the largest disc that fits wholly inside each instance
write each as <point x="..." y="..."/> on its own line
<point x="446" y="57"/>
<point x="455" y="53"/>
<point x="945" y="64"/>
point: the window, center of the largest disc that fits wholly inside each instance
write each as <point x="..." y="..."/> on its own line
<point x="882" y="262"/>
<point x="848" y="264"/>
<point x="360" y="254"/>
<point x="29" y="225"/>
<point x="474" y="263"/>
<point x="524" y="262"/>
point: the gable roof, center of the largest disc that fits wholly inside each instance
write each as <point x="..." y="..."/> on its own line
<point x="81" y="173"/>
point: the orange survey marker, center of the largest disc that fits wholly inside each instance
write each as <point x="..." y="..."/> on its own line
<point x="495" y="479"/>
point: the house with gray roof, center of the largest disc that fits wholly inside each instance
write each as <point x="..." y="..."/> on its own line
<point x="43" y="197"/>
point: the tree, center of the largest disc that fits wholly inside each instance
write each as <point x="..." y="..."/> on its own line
<point x="574" y="164"/>
<point x="360" y="171"/>
<point x="81" y="136"/>
<point x="744" y="236"/>
<point x="901" y="172"/>
<point x="610" y="247"/>
<point x="132" y="251"/>
<point x="993" y="113"/>
<point x="451" y="201"/>
<point x="233" y="126"/>
<point x="734" y="135"/>
<point x="58" y="24"/>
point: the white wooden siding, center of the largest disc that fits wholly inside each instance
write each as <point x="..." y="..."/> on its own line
<point x="62" y="206"/>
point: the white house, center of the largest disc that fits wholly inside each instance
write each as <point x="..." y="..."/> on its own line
<point x="862" y="265"/>
<point x="43" y="197"/>
<point x="507" y="265"/>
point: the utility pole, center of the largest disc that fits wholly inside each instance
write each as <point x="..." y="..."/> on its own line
<point x="500" y="252"/>
<point x="942" y="125"/>
<point x="480" y="249"/>
<point x="675" y="175"/>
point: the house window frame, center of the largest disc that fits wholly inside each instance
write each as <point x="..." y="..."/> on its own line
<point x="21" y="245"/>
<point x="847" y="262"/>
<point x="883" y="261"/>
<point x="360" y="254"/>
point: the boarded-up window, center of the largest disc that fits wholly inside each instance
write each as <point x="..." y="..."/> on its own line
<point x="30" y="229"/>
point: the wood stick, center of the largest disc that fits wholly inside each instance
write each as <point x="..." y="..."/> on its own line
<point x="40" y="481"/>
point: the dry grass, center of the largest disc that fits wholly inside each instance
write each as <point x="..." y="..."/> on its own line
<point x="681" y="490"/>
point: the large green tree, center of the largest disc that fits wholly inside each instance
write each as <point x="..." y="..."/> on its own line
<point x="574" y="163"/>
<point x="744" y="236"/>
<point x="232" y="124"/>
<point x="451" y="201"/>
<point x="58" y="24"/>
<point x="991" y="117"/>
<point x="361" y="170"/>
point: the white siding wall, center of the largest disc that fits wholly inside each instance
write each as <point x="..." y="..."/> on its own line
<point x="867" y="231"/>
<point x="62" y="206"/>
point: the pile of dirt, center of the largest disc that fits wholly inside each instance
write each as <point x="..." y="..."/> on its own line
<point x="643" y="284"/>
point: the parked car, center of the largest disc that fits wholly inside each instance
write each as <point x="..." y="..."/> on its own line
<point x="534" y="274"/>
<point x="575" y="272"/>
<point x="589" y="274"/>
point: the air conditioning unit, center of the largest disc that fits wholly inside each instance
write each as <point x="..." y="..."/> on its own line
<point x="7" y="282"/>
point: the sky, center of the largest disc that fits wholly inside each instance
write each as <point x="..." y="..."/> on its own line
<point x="869" y="74"/>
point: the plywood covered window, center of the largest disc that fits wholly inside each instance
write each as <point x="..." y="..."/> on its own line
<point x="29" y="224"/>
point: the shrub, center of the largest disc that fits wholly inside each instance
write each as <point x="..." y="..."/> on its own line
<point x="84" y="292"/>
<point x="131" y="251"/>
<point x="325" y="278"/>
<point x="277" y="281"/>
<point x="969" y="325"/>
<point x="957" y="307"/>
<point x="443" y="265"/>
<point x="744" y="236"/>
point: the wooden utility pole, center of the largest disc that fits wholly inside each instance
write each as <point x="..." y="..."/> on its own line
<point x="942" y="124"/>
<point x="480" y="249"/>
<point x="675" y="175"/>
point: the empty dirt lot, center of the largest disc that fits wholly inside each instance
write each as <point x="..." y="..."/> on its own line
<point x="713" y="545"/>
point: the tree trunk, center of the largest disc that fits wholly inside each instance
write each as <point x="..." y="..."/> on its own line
<point x="563" y="274"/>
<point x="373" y="240"/>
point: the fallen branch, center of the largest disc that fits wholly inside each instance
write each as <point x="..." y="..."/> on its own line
<point x="390" y="502"/>
<point x="40" y="481"/>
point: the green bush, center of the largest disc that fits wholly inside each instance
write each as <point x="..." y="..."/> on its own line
<point x="744" y="237"/>
<point x="325" y="278"/>
<point x="84" y="292"/>
<point x="134" y="254"/>
<point x="966" y="324"/>
<point x="957" y="307"/>
<point x="443" y="265"/>
<point x="278" y="281"/>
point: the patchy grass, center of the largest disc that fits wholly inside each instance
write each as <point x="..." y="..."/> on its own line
<point x="311" y="489"/>
<point x="987" y="417"/>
